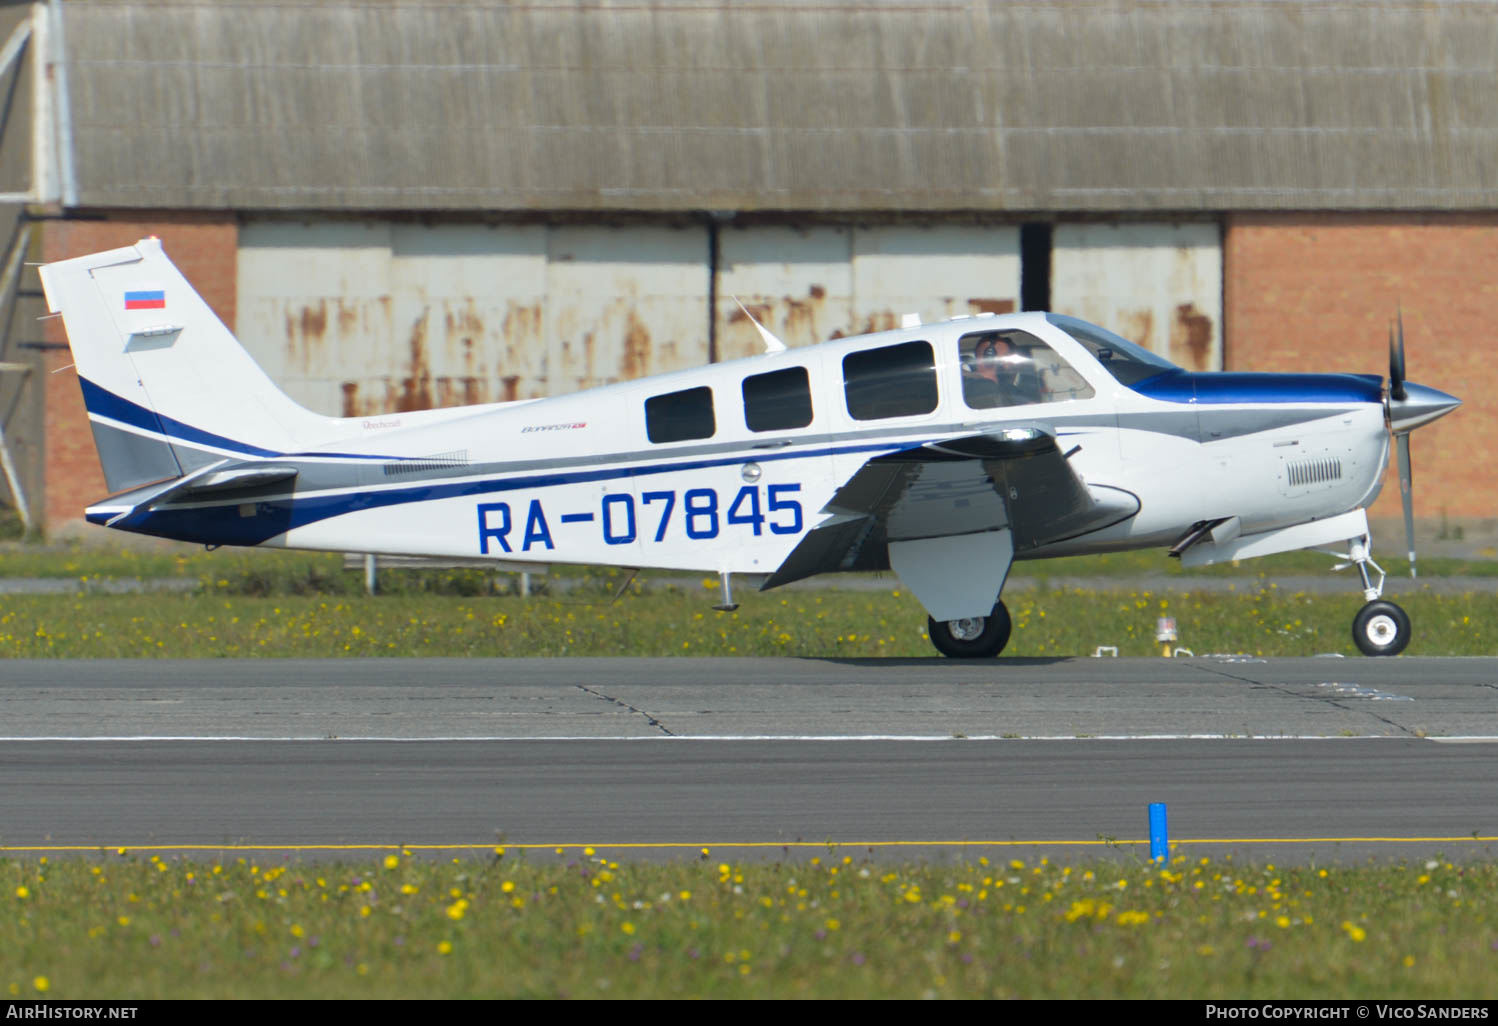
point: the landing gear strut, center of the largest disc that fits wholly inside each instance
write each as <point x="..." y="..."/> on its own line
<point x="1380" y="628"/>
<point x="976" y="637"/>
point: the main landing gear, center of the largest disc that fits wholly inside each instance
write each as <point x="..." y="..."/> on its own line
<point x="1380" y="628"/>
<point x="977" y="637"/>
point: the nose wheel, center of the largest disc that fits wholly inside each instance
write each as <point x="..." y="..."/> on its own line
<point x="1381" y="629"/>
<point x="975" y="637"/>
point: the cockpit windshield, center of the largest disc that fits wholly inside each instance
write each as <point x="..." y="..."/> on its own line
<point x="1128" y="362"/>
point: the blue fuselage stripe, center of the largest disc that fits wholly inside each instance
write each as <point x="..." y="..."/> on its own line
<point x="224" y="524"/>
<point x="1223" y="387"/>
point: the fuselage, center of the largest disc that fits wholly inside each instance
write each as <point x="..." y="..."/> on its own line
<point x="725" y="467"/>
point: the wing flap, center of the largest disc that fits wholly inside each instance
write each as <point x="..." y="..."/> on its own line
<point x="1016" y="479"/>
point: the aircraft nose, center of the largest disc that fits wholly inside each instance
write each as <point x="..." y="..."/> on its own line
<point x="1420" y="405"/>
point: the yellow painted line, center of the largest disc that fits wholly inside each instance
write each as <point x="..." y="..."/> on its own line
<point x="709" y="846"/>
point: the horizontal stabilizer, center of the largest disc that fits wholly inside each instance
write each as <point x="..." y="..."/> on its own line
<point x="221" y="483"/>
<point x="240" y="477"/>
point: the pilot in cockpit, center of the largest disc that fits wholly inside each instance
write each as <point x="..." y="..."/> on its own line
<point x="997" y="373"/>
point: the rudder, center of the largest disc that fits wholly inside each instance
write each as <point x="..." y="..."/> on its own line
<point x="167" y="386"/>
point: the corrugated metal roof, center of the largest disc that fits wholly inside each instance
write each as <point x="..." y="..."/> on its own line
<point x="808" y="106"/>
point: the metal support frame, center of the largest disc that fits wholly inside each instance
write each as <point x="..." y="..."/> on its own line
<point x="37" y="37"/>
<point x="10" y="279"/>
<point x="1360" y="555"/>
<point x="53" y="174"/>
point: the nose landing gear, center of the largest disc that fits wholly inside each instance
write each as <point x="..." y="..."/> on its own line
<point x="1380" y="628"/>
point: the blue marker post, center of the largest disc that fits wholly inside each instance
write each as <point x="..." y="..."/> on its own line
<point x="1159" y="835"/>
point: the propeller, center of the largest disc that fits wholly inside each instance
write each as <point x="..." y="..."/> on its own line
<point x="1396" y="362"/>
<point x="1409" y="406"/>
<point x="1398" y="394"/>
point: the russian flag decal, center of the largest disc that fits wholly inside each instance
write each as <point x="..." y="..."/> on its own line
<point x="145" y="299"/>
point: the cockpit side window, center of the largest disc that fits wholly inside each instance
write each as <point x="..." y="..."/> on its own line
<point x="1128" y="362"/>
<point x="891" y="381"/>
<point x="1014" y="368"/>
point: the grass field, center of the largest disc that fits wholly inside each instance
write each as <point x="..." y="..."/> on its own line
<point x="1047" y="622"/>
<point x="324" y="572"/>
<point x="576" y="924"/>
<point x="248" y="603"/>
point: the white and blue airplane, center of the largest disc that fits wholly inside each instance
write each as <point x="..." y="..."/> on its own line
<point x="942" y="451"/>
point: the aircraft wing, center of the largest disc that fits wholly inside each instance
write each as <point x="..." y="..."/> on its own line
<point x="1016" y="478"/>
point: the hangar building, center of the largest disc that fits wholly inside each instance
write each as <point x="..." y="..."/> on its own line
<point x="405" y="203"/>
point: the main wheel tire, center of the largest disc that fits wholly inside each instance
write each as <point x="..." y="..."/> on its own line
<point x="978" y="637"/>
<point x="1381" y="629"/>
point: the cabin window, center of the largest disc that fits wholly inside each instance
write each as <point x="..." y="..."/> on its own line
<point x="778" y="400"/>
<point x="893" y="381"/>
<point x="680" y="416"/>
<point x="1014" y="368"/>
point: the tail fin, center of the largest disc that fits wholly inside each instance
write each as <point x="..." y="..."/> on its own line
<point x="167" y="387"/>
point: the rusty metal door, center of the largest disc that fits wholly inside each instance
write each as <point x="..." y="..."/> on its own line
<point x="937" y="271"/>
<point x="811" y="284"/>
<point x="1158" y="284"/>
<point x="354" y="318"/>
<point x="624" y="302"/>
<point x="314" y="309"/>
<point x="795" y="281"/>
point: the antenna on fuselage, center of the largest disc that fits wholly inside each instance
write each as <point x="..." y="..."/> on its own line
<point x="772" y="344"/>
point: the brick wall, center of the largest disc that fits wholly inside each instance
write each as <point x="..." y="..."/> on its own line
<point x="1317" y="292"/>
<point x="205" y="248"/>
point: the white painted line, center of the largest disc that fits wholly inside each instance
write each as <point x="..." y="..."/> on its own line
<point x="1362" y="691"/>
<point x="745" y="737"/>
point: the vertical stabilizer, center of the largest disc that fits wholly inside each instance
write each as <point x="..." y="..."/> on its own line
<point x="167" y="386"/>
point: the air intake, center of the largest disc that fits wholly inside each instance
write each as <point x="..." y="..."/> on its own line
<point x="1309" y="472"/>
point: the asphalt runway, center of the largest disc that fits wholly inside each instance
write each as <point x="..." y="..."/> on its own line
<point x="1307" y="759"/>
